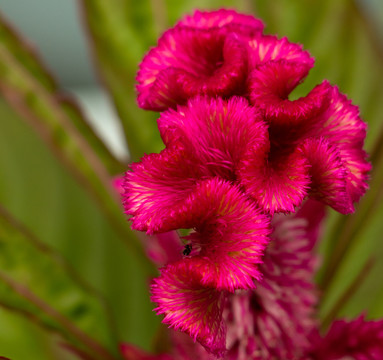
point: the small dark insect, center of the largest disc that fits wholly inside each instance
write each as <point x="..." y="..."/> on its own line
<point x="187" y="250"/>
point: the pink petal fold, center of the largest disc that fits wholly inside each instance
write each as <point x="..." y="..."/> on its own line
<point x="223" y="18"/>
<point x="277" y="181"/>
<point x="189" y="62"/>
<point x="265" y="48"/>
<point x="214" y="132"/>
<point x="189" y="306"/>
<point x="342" y="126"/>
<point x="270" y="85"/>
<point x="155" y="186"/>
<point x="328" y="174"/>
<point x="230" y="234"/>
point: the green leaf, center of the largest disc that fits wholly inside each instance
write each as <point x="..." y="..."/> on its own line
<point x="44" y="112"/>
<point x="36" y="189"/>
<point x="35" y="68"/>
<point x="35" y="281"/>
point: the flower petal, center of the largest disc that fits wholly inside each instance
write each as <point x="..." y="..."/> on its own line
<point x="223" y="18"/>
<point x="189" y="306"/>
<point x="270" y="85"/>
<point x="328" y="174"/>
<point x="187" y="62"/>
<point x="214" y="131"/>
<point x="342" y="125"/>
<point x="267" y="48"/>
<point x="278" y="181"/>
<point x="230" y="233"/>
<point x="155" y="185"/>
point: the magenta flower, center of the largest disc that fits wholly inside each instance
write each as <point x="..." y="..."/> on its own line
<point x="274" y="321"/>
<point x="227" y="244"/>
<point x="315" y="143"/>
<point x="320" y="136"/>
<point x="326" y="163"/>
<point x="206" y="139"/>
<point x="357" y="339"/>
<point x="237" y="152"/>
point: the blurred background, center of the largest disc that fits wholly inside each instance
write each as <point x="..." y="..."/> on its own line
<point x="76" y="39"/>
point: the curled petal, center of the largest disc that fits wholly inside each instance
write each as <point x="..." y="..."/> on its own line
<point x="230" y="234"/>
<point x="342" y="126"/>
<point x="328" y="174"/>
<point x="269" y="48"/>
<point x="155" y="185"/>
<point x="223" y="18"/>
<point x="270" y="85"/>
<point x="189" y="306"/>
<point x="214" y="131"/>
<point x="188" y="62"/>
<point x="278" y="181"/>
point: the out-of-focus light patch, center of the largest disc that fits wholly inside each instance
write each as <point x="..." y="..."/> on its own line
<point x="54" y="29"/>
<point x="374" y="10"/>
<point x="103" y="118"/>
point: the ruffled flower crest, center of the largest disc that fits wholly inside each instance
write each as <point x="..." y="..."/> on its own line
<point x="205" y="139"/>
<point x="202" y="55"/>
<point x="228" y="243"/>
<point x="237" y="152"/>
<point x="320" y="137"/>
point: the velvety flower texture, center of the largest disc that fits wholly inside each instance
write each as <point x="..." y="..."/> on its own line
<point x="202" y="54"/>
<point x="237" y="151"/>
<point x="228" y="242"/>
<point x="316" y="140"/>
<point x="313" y="146"/>
<point x="231" y="139"/>
<point x="275" y="320"/>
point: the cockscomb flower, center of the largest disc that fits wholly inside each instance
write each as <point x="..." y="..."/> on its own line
<point x="237" y="152"/>
<point x="230" y="139"/>
<point x="315" y="145"/>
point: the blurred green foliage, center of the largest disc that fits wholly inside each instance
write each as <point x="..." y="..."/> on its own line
<point x="61" y="196"/>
